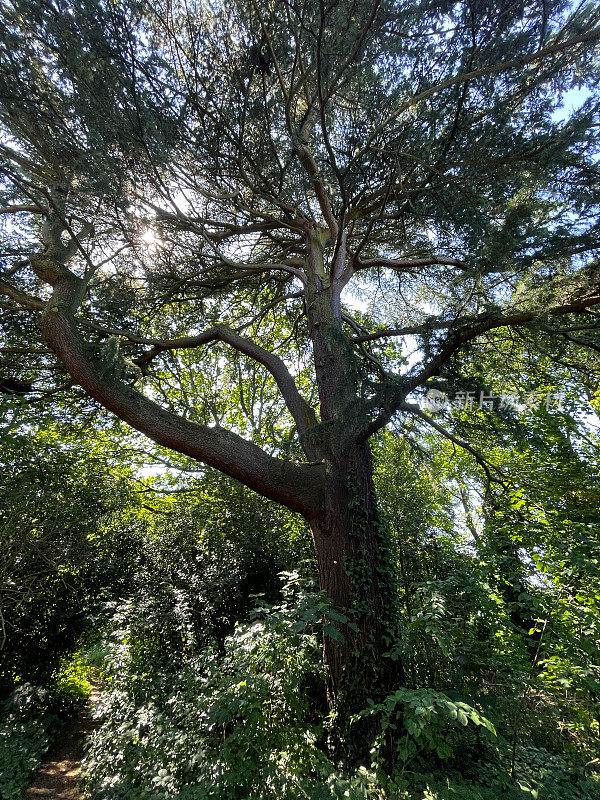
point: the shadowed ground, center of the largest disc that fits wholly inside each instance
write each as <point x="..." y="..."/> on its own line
<point x="58" y="776"/>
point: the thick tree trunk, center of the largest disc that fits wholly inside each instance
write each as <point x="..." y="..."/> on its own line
<point x="356" y="569"/>
<point x="356" y="572"/>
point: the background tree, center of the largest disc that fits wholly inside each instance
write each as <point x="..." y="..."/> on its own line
<point x="182" y="176"/>
<point x="64" y="556"/>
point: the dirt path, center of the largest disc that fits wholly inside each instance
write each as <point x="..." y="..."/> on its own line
<point x="58" y="776"/>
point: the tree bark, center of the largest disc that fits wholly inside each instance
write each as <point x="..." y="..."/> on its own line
<point x="356" y="571"/>
<point x="356" y="568"/>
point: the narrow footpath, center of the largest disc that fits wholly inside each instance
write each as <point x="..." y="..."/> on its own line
<point x="58" y="775"/>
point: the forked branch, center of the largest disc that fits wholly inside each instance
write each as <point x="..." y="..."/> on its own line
<point x="295" y="486"/>
<point x="463" y="331"/>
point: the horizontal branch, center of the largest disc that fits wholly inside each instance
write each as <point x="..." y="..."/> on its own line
<point x="20" y="297"/>
<point x="18" y="209"/>
<point x="407" y="264"/>
<point x="256" y="269"/>
<point x="223" y="230"/>
<point x="495" y="320"/>
<point x="458" y="338"/>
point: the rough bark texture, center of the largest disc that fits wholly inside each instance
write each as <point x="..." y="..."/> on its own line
<point x="355" y="565"/>
<point x="356" y="572"/>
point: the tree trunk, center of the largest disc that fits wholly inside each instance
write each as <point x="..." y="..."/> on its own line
<point x="356" y="569"/>
<point x="356" y="572"/>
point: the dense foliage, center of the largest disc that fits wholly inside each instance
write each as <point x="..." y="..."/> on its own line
<point x="210" y="667"/>
<point x="299" y="357"/>
<point x="25" y="733"/>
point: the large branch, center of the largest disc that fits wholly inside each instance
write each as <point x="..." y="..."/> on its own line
<point x="22" y="208"/>
<point x="306" y="159"/>
<point x="406" y="264"/>
<point x="464" y="331"/>
<point x="20" y="297"/>
<point x="493" y="321"/>
<point x="490" y="69"/>
<point x="243" y="270"/>
<point x="216" y="229"/>
<point x="295" y="486"/>
<point x="303" y="414"/>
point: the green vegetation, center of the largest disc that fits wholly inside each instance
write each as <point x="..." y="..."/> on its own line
<point x="25" y="733"/>
<point x="195" y="605"/>
<point x="299" y="399"/>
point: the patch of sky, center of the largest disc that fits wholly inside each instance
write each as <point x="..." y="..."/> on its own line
<point x="570" y="102"/>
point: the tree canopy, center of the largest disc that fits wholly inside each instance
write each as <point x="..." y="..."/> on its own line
<point x="259" y="233"/>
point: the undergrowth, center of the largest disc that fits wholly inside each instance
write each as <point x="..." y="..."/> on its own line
<point x="245" y="723"/>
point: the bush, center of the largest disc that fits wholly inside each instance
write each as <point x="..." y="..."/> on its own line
<point x="239" y="723"/>
<point x="72" y="686"/>
<point x="539" y="775"/>
<point x="421" y="721"/>
<point x="231" y="726"/>
<point x="26" y="727"/>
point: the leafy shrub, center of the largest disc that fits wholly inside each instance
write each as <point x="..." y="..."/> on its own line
<point x="25" y="734"/>
<point x="539" y="775"/>
<point x="68" y="540"/>
<point x="235" y="726"/>
<point x="237" y="723"/>
<point x="421" y="720"/>
<point x="72" y="682"/>
<point x="548" y="777"/>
